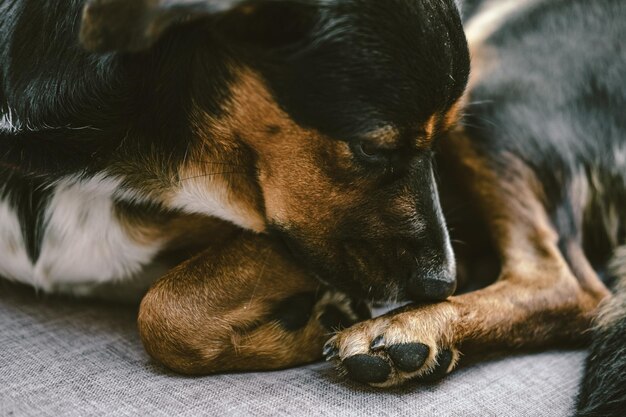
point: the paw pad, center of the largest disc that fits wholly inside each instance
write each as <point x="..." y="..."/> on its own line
<point x="409" y="357"/>
<point x="367" y="369"/>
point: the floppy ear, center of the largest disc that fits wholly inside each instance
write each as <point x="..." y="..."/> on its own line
<point x="135" y="25"/>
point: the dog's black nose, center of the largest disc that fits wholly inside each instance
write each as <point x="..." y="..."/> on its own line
<point x="432" y="286"/>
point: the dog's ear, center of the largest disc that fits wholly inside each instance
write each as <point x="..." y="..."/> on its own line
<point x="135" y="25"/>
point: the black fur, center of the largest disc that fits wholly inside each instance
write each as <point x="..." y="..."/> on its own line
<point x="603" y="391"/>
<point x="295" y="312"/>
<point x="351" y="90"/>
<point x="29" y="196"/>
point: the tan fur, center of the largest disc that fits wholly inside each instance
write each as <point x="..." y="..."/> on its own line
<point x="384" y="137"/>
<point x="292" y="170"/>
<point x="286" y="156"/>
<point x="453" y="115"/>
<point x="429" y="131"/>
<point x="211" y="313"/>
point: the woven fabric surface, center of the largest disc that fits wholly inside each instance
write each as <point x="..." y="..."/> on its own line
<point x="62" y="357"/>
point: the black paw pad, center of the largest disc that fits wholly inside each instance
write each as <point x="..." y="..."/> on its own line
<point x="367" y="369"/>
<point x="444" y="359"/>
<point x="408" y="357"/>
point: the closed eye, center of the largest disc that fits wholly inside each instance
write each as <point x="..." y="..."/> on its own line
<point x="370" y="153"/>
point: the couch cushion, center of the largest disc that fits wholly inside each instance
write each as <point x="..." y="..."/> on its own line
<point x="62" y="357"/>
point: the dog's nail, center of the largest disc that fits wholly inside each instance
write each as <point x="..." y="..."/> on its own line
<point x="330" y="351"/>
<point x="378" y="343"/>
<point x="329" y="347"/>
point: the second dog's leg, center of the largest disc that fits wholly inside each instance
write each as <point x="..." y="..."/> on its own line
<point x="238" y="306"/>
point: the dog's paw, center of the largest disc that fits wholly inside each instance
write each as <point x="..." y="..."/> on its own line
<point x="398" y="347"/>
<point x="329" y="310"/>
<point x="336" y="311"/>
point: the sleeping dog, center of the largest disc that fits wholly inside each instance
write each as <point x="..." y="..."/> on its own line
<point x="271" y="163"/>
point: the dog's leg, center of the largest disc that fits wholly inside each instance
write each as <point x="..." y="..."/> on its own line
<point x="546" y="292"/>
<point x="241" y="305"/>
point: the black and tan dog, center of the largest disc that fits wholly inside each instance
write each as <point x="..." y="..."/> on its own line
<point x="272" y="156"/>
<point x="229" y="138"/>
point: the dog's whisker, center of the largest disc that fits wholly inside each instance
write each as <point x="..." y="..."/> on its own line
<point x="465" y="124"/>
<point x="256" y="285"/>
<point x="209" y="162"/>
<point x="212" y="174"/>
<point x="451" y="211"/>
<point x="486" y="120"/>
<point x="478" y="102"/>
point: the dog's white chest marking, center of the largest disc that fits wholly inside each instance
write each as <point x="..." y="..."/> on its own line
<point x="211" y="196"/>
<point x="83" y="242"/>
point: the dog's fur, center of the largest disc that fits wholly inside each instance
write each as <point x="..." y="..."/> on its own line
<point x="252" y="160"/>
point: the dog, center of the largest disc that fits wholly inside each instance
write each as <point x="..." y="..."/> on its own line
<point x="274" y="177"/>
<point x="237" y="159"/>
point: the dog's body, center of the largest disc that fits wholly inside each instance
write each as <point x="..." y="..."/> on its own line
<point x="549" y="88"/>
<point x="196" y="136"/>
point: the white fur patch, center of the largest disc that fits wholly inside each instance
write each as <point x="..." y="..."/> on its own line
<point x="8" y="122"/>
<point x="82" y="243"/>
<point x="211" y="196"/>
<point x="14" y="262"/>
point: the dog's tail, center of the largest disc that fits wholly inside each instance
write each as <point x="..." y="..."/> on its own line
<point x="603" y="390"/>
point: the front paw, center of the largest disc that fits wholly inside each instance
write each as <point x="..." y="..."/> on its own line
<point x="387" y="351"/>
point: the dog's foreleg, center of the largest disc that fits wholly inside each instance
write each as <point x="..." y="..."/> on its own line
<point x="241" y="305"/>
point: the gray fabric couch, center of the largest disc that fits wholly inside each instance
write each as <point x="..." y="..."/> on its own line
<point x="62" y="357"/>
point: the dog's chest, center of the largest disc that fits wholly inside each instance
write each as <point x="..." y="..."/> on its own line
<point x="81" y="241"/>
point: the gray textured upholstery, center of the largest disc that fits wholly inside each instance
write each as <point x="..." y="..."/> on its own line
<point x="60" y="357"/>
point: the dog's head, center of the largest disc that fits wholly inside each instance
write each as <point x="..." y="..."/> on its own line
<point x="337" y="105"/>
